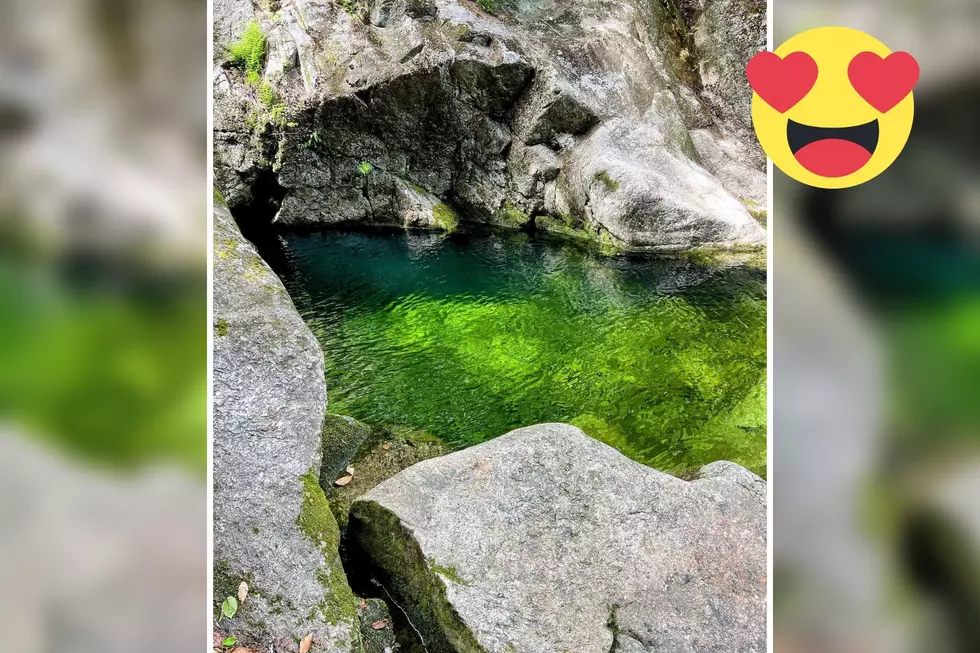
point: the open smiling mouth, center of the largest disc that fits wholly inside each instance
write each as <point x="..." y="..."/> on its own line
<point x="832" y="151"/>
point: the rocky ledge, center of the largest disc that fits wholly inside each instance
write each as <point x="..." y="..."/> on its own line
<point x="626" y="122"/>
<point x="547" y="540"/>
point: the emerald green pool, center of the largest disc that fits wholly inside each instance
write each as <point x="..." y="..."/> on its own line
<point x="470" y="336"/>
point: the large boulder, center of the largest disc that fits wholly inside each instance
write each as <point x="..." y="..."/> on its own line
<point x="547" y="540"/>
<point x="273" y="528"/>
<point x="394" y="111"/>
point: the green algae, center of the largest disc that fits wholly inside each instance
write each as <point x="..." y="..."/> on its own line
<point x="471" y="338"/>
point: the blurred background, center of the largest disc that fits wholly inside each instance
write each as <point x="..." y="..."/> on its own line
<point x="103" y="325"/>
<point x="876" y="364"/>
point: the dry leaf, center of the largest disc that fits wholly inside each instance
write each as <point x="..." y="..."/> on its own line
<point x="379" y="624"/>
<point x="242" y="592"/>
<point x="305" y="645"/>
<point x="242" y="649"/>
<point x="344" y="480"/>
<point x="362" y="604"/>
<point x="386" y="446"/>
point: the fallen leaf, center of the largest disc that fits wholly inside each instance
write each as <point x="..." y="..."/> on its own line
<point x="362" y="604"/>
<point x="386" y="446"/>
<point x="343" y="480"/>
<point x="242" y="649"/>
<point x="229" y="607"/>
<point x="305" y="645"/>
<point x="242" y="591"/>
<point x="350" y="470"/>
<point x="229" y="641"/>
<point x="379" y="624"/>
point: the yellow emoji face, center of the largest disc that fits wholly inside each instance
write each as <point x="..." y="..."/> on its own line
<point x="832" y="106"/>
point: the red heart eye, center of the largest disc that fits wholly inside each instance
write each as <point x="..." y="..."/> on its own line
<point x="883" y="83"/>
<point x="782" y="82"/>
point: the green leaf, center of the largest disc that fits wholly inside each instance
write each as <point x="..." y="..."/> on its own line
<point x="229" y="641"/>
<point x="365" y="168"/>
<point x="230" y="607"/>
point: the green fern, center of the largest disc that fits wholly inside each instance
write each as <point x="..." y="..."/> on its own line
<point x="248" y="52"/>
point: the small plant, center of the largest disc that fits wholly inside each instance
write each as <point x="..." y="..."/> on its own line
<point x="312" y="141"/>
<point x="611" y="184"/>
<point x="365" y="168"/>
<point x="253" y="79"/>
<point x="267" y="95"/>
<point x="248" y="51"/>
<point x="489" y="6"/>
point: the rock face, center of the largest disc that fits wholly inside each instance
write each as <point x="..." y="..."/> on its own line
<point x="624" y="121"/>
<point x="569" y="546"/>
<point x="272" y="525"/>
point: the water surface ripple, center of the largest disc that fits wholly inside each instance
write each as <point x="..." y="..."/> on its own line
<point x="469" y="337"/>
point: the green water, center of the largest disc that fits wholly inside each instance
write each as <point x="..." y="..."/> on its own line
<point x="469" y="337"/>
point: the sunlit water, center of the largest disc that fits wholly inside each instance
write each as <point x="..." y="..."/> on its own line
<point x="469" y="337"/>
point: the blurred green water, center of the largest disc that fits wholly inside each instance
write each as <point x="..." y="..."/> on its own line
<point x="115" y="373"/>
<point x="472" y="336"/>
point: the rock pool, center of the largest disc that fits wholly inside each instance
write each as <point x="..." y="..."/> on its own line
<point x="471" y="335"/>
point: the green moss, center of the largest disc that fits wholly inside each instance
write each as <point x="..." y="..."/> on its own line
<point x="611" y="184"/>
<point x="489" y="6"/>
<point x="219" y="199"/>
<point x="420" y="590"/>
<point x="761" y="215"/>
<point x="248" y="52"/>
<point x="511" y="216"/>
<point x="448" y="572"/>
<point x="221" y="327"/>
<point x="445" y="217"/>
<point x="318" y="524"/>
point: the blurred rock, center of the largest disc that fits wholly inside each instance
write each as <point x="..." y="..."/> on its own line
<point x="547" y="540"/>
<point x="92" y="563"/>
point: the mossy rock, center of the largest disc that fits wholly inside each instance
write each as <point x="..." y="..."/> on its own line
<point x="414" y="581"/>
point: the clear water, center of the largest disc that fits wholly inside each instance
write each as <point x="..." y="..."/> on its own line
<point x="468" y="337"/>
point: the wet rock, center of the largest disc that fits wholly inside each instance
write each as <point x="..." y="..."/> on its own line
<point x="547" y="540"/>
<point x="272" y="526"/>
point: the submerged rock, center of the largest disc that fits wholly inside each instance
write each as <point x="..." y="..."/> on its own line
<point x="272" y="526"/>
<point x="583" y="114"/>
<point x="547" y="540"/>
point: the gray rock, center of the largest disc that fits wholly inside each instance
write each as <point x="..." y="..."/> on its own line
<point x="626" y="177"/>
<point x="547" y="540"/>
<point x="452" y="107"/>
<point x="342" y="437"/>
<point x="272" y="525"/>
